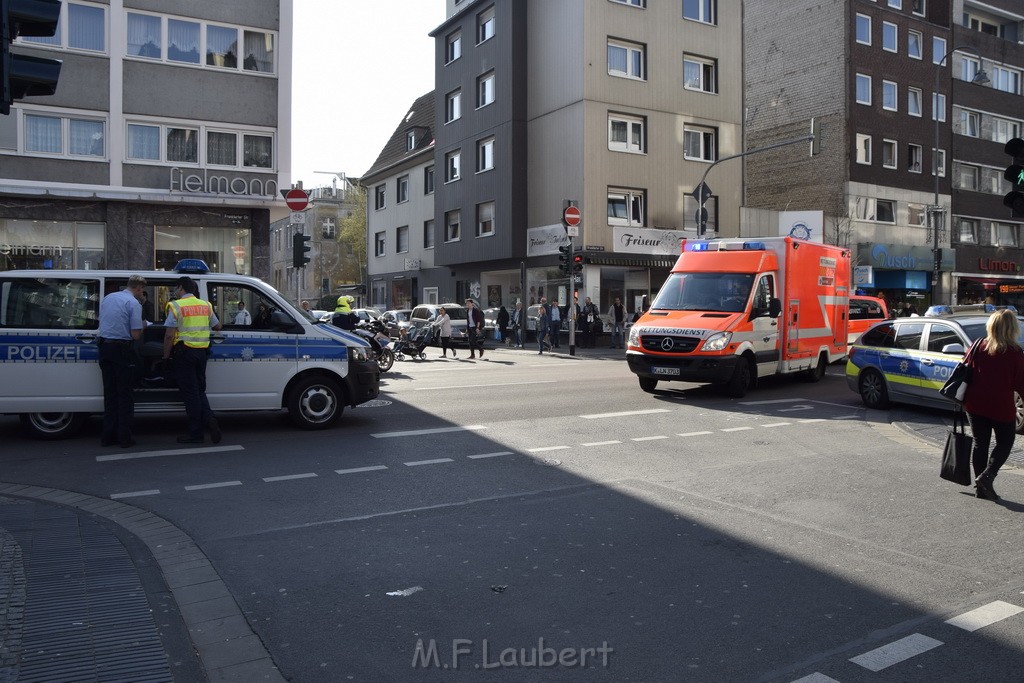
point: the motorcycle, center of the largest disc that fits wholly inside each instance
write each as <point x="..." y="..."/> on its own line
<point x="375" y="332"/>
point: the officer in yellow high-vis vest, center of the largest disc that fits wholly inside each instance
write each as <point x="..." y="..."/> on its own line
<point x="187" y="342"/>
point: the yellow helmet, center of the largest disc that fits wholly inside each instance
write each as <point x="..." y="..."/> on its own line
<point x="343" y="304"/>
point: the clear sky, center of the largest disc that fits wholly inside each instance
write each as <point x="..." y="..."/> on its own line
<point x="358" y="67"/>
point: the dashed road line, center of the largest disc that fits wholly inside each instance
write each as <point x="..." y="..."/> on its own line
<point x="777" y="424"/>
<point x="986" y="615"/>
<point x="435" y="461"/>
<point x="814" y="419"/>
<point x="649" y="438"/>
<point x="815" y="677"/>
<point x="601" y="443"/>
<point x="628" y="413"/>
<point x="480" y="456"/>
<point x="695" y="434"/>
<point x="214" y="485"/>
<point x="541" y="449"/>
<point x="290" y="477"/>
<point x="421" y="432"/>
<point x="484" y="386"/>
<point x="895" y="652"/>
<point x="172" y="451"/>
<point x="356" y="470"/>
<point x="133" y="494"/>
<point x="735" y="429"/>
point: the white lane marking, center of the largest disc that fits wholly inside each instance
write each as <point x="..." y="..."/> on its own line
<point x="541" y="449"/>
<point x="790" y="410"/>
<point x="289" y="477"/>
<point x="600" y="443"/>
<point x="693" y="434"/>
<point x="420" y="432"/>
<point x="601" y="416"/>
<point x="777" y="424"/>
<point x="132" y="494"/>
<point x="813" y="419"/>
<point x="405" y="593"/>
<point x="846" y="417"/>
<point x="435" y="461"/>
<point x="484" y="386"/>
<point x="770" y="402"/>
<point x="895" y="652"/>
<point x="735" y="429"/>
<point x="489" y="455"/>
<point x="985" y="615"/>
<point x="215" y="485"/>
<point x="648" y="438"/>
<point x="354" y="470"/>
<point x="815" y="677"/>
<point x="173" y="451"/>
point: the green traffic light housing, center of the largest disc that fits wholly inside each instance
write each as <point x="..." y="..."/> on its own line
<point x="1014" y="174"/>
<point x="565" y="259"/>
<point x="300" y="249"/>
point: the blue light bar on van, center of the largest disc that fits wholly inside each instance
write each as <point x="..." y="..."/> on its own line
<point x="192" y="266"/>
<point x="698" y="246"/>
<point x="754" y="246"/>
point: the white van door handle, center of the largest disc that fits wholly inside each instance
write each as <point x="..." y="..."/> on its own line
<point x="217" y="338"/>
<point x="87" y="338"/>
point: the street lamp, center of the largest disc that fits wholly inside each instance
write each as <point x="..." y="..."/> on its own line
<point x="937" y="213"/>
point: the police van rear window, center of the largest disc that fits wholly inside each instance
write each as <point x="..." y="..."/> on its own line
<point x="49" y="303"/>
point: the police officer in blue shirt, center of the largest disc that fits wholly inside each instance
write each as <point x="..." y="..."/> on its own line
<point x="120" y="327"/>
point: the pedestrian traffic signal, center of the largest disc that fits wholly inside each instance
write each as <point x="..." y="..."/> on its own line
<point x="300" y="249"/>
<point x="22" y="75"/>
<point x="565" y="259"/>
<point x="1014" y="199"/>
<point x="577" y="263"/>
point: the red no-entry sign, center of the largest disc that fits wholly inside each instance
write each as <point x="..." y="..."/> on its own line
<point x="571" y="216"/>
<point x="296" y="199"/>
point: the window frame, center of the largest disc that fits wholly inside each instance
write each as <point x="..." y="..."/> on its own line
<point x="484" y="227"/>
<point x="402" y="189"/>
<point x="380" y="197"/>
<point x="911" y="34"/>
<point x="61" y="40"/>
<point x="888" y="26"/>
<point x="969" y="121"/>
<point x="485" y="89"/>
<point x="485" y="154"/>
<point x="860" y="147"/>
<point x="707" y="155"/>
<point x="453" y="106"/>
<point x="400" y="231"/>
<point x="857" y="28"/>
<point x="1013" y="228"/>
<point x="893" y="146"/>
<point x="894" y="87"/>
<point x="939" y="157"/>
<point x="938" y="56"/>
<point x="485" y="25"/>
<point x="1000" y="73"/>
<point x="428" y="233"/>
<point x="428" y="180"/>
<point x="631" y="48"/>
<point x="911" y="102"/>
<point x="630" y="121"/>
<point x="707" y="11"/>
<point x="380" y="244"/>
<point x="453" y="166"/>
<point x="936" y="96"/>
<point x="860" y="78"/>
<point x="453" y="46"/>
<point x="452" y="228"/>
<point x="915" y="151"/>
<point x="972" y="225"/>
<point x="708" y="68"/>
<point x="65" y="119"/>
<point x="632" y="200"/>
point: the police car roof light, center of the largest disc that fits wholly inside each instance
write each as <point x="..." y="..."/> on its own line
<point x="191" y="266"/>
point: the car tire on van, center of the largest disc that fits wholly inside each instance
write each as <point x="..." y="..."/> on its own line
<point x="52" y="426"/>
<point x="315" y="402"/>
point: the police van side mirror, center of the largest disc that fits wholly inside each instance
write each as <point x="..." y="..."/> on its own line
<point x="279" y="320"/>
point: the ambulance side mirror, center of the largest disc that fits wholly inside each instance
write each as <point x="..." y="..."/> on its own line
<point x="774" y="307"/>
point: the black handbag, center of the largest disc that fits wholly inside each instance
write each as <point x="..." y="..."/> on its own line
<point x="955" y="388"/>
<point x="956" y="456"/>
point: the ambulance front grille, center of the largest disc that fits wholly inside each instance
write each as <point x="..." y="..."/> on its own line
<point x="669" y="343"/>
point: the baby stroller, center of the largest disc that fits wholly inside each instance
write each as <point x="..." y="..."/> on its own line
<point x="412" y="344"/>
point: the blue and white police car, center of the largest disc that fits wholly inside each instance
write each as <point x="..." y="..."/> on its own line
<point x="274" y="358"/>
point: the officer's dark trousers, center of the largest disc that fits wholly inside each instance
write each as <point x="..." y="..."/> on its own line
<point x="190" y="371"/>
<point x="117" y="367"/>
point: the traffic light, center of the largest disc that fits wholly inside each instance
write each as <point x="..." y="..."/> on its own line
<point x="565" y="259"/>
<point x="1014" y="199"/>
<point x="577" y="263"/>
<point x="300" y="249"/>
<point x="22" y="75"/>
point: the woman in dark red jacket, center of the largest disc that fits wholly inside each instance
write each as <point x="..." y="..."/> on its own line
<point x="997" y="370"/>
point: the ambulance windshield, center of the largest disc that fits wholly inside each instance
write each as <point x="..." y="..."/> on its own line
<point x="723" y="292"/>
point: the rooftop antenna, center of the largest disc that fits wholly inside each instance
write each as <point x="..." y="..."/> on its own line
<point x="338" y="175"/>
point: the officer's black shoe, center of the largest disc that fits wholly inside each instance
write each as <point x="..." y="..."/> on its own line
<point x="215" y="435"/>
<point x="190" y="439"/>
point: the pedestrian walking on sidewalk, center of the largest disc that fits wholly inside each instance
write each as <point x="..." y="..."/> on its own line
<point x="444" y="329"/>
<point x="617" y="317"/>
<point x="542" y="328"/>
<point x="997" y="370"/>
<point x="517" y="325"/>
<point x="475" y="329"/>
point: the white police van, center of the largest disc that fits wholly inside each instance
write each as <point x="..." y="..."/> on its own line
<point x="49" y="358"/>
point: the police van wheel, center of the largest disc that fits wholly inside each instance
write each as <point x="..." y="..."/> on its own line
<point x="648" y="384"/>
<point x="51" y="426"/>
<point x="872" y="390"/>
<point x="315" y="403"/>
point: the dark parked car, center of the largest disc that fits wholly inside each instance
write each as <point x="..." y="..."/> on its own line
<point x="397" y="320"/>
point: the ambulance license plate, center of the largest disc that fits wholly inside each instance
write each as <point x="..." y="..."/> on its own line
<point x="673" y="372"/>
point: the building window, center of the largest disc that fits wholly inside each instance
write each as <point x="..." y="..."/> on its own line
<point x="378" y="244"/>
<point x="452" y="226"/>
<point x="969" y="68"/>
<point x="410" y="140"/>
<point x="402" y="189"/>
<point x="889" y="96"/>
<point x="634" y="3"/>
<point x="700" y="73"/>
<point x="919" y="7"/>
<point x="938" y="49"/>
<point x="915" y="214"/>
<point x="453" y="106"/>
<point x="890" y="37"/>
<point x="699" y="144"/>
<point x="485" y="89"/>
<point x="705" y="11"/>
<point x="914" y="158"/>
<point x="968" y="231"/>
<point x="451" y="166"/>
<point x="428" y="234"/>
<point x="626" y="60"/>
<point x="79" y="27"/>
<point x="485" y="219"/>
<point x="1004" y="234"/>
<point x="938" y="107"/>
<point x="888" y="154"/>
<point x="402" y="240"/>
<point x="329" y="229"/>
<point x="182" y="145"/>
<point x="221" y="148"/>
<point x="863" y="29"/>
<point x="485" y="155"/>
<point x="914" y="40"/>
<point x="939" y="159"/>
<point x="896" y="4"/>
<point x="967" y="176"/>
<point x="183" y="42"/>
<point x="968" y="123"/>
<point x="914" y="96"/>
<point x="453" y="47"/>
<point x="485" y="25"/>
<point x="1007" y="80"/>
<point x="863" y="149"/>
<point x="428" y="180"/>
<point x="257" y="151"/>
<point x="626" y="133"/>
<point x="145" y="36"/>
<point x="885" y="211"/>
<point x="626" y="207"/>
<point x="1004" y="130"/>
<point x="380" y="197"/>
<point x="863" y="89"/>
<point x="65" y="136"/>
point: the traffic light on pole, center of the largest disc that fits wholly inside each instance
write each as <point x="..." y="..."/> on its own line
<point x="22" y="75"/>
<point x="299" y="250"/>
<point x="565" y="259"/>
<point x="577" y="263"/>
<point x="1014" y="199"/>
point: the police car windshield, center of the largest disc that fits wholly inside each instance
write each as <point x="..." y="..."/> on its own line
<point x="725" y="292"/>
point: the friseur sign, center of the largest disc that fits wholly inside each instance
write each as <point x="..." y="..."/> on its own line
<point x="203" y="182"/>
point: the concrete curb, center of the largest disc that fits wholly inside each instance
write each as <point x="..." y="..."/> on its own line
<point x="228" y="648"/>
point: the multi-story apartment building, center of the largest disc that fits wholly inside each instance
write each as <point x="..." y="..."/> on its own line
<point x="618" y="105"/>
<point x="168" y="137"/>
<point x="908" y="112"/>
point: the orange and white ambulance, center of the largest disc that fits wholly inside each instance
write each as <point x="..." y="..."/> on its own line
<point x="733" y="310"/>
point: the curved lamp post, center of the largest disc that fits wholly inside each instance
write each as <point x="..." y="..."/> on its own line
<point x="937" y="212"/>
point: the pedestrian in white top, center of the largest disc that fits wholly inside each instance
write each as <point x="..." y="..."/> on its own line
<point x="242" y="317"/>
<point x="444" y="326"/>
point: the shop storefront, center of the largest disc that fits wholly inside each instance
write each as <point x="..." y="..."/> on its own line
<point x="60" y="245"/>
<point x="901" y="272"/>
<point x="989" y="275"/>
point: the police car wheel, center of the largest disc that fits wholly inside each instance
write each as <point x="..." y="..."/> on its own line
<point x="315" y="403"/>
<point x="872" y="390"/>
<point x="51" y="426"/>
<point x="648" y="384"/>
<point x="1019" y="402"/>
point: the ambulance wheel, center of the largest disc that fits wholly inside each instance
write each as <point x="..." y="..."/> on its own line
<point x="872" y="390"/>
<point x="52" y="426"/>
<point x="315" y="403"/>
<point x="816" y="373"/>
<point x="385" y="360"/>
<point x="648" y="384"/>
<point x="738" y="386"/>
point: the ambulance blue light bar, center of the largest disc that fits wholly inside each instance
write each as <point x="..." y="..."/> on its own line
<point x="725" y="246"/>
<point x="192" y="266"/>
